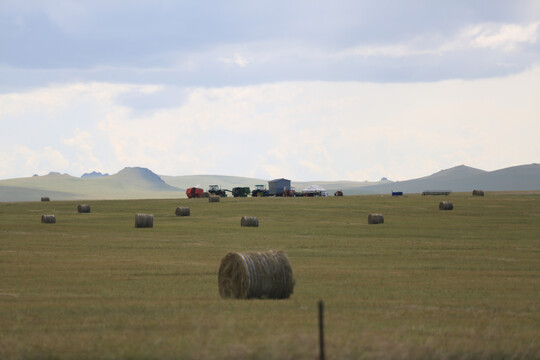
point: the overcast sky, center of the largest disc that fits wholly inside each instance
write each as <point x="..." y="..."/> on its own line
<point x="306" y="90"/>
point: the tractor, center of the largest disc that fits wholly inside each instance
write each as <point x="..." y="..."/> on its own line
<point x="241" y="191"/>
<point x="259" y="191"/>
<point x="289" y="191"/>
<point x="216" y="190"/>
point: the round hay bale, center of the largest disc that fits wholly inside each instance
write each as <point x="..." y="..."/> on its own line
<point x="83" y="208"/>
<point x="48" y="219"/>
<point x="251" y="221"/>
<point x="375" y="219"/>
<point x="205" y="195"/>
<point x="182" y="211"/>
<point x="45" y="198"/>
<point x="213" y="198"/>
<point x="446" y="205"/>
<point x="478" y="192"/>
<point x="256" y="275"/>
<point x="144" y="220"/>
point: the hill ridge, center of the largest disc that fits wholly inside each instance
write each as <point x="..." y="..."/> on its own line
<point x="515" y="178"/>
<point x="142" y="183"/>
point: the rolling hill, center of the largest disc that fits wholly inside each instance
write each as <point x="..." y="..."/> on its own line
<point x="129" y="183"/>
<point x="463" y="178"/>
<point x="142" y="183"/>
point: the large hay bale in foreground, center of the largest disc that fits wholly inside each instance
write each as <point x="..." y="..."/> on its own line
<point x="446" y="205"/>
<point x="478" y="192"/>
<point x="375" y="219"/>
<point x="213" y="198"/>
<point x="256" y="275"/>
<point x="48" y="219"/>
<point x="144" y="220"/>
<point x="45" y="198"/>
<point x="83" y="208"/>
<point x="250" y="221"/>
<point x="182" y="211"/>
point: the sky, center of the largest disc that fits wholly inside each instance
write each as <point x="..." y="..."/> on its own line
<point x="306" y="90"/>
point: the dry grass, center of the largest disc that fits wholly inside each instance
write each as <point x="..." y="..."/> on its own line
<point x="463" y="284"/>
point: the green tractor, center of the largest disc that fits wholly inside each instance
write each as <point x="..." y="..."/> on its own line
<point x="259" y="191"/>
<point x="241" y="191"/>
<point x="216" y="190"/>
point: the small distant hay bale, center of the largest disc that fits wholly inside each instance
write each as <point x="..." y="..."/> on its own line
<point x="45" y="198"/>
<point x="83" y="208"/>
<point x="478" y="192"/>
<point x="261" y="275"/>
<point x="213" y="198"/>
<point x="446" y="205"/>
<point x="48" y="219"/>
<point x="250" y="221"/>
<point x="182" y="211"/>
<point x="375" y="219"/>
<point x="144" y="220"/>
<point x="205" y="194"/>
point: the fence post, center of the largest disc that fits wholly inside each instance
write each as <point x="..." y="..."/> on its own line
<point x="321" y="330"/>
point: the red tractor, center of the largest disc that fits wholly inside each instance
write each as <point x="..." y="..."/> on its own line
<point x="194" y="192"/>
<point x="289" y="191"/>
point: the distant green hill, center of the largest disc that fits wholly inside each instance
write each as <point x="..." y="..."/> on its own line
<point x="129" y="183"/>
<point x="464" y="179"/>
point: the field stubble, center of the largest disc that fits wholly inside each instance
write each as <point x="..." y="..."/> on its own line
<point x="425" y="284"/>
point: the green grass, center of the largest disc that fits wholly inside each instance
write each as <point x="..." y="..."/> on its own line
<point x="460" y="284"/>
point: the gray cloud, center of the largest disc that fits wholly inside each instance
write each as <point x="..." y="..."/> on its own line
<point x="194" y="43"/>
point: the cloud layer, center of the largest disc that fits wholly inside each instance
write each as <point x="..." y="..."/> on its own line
<point x="301" y="130"/>
<point x="305" y="89"/>
<point x="193" y="43"/>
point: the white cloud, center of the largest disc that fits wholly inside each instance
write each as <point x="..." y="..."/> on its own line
<point x="26" y="161"/>
<point x="237" y="60"/>
<point x="83" y="144"/>
<point x="506" y="37"/>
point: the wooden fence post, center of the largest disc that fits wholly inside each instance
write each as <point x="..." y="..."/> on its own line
<point x="321" y="330"/>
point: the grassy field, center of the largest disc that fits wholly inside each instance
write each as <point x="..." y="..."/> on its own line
<point x="460" y="284"/>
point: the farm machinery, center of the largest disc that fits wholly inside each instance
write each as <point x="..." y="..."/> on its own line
<point x="194" y="192"/>
<point x="277" y="187"/>
<point x="289" y="191"/>
<point x="260" y="191"/>
<point x="241" y="191"/>
<point x="216" y="190"/>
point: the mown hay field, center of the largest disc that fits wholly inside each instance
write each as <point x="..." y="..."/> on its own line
<point x="459" y="284"/>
